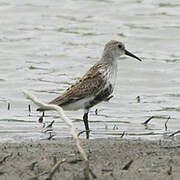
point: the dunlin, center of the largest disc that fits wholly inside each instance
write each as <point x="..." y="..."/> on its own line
<point x="96" y="85"/>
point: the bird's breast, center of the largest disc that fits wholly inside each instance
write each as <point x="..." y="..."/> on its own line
<point x="109" y="75"/>
<point x="108" y="78"/>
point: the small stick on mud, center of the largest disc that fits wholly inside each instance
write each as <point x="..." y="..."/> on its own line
<point x="4" y="158"/>
<point x="126" y="167"/>
<point x="29" y="109"/>
<point x="54" y="169"/>
<point x="74" y="161"/>
<point x="55" y="161"/>
<point x="92" y="174"/>
<point x="32" y="165"/>
<point x="71" y="128"/>
<point x="166" y="123"/>
<point x="107" y="170"/>
<point x="50" y="136"/>
<point x="146" y="122"/>
<point x="171" y="135"/>
<point x="170" y="147"/>
<point x="9" y="105"/>
<point x="169" y="172"/>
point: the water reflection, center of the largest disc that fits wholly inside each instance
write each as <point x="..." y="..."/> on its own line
<point x="46" y="46"/>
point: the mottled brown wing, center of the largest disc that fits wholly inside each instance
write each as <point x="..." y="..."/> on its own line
<point x="89" y="85"/>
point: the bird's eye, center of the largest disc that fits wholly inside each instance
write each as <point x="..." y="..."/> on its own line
<point x="120" y="46"/>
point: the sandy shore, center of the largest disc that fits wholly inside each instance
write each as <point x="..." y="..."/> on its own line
<point x="108" y="158"/>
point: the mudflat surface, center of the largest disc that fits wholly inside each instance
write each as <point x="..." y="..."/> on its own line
<point x="108" y="159"/>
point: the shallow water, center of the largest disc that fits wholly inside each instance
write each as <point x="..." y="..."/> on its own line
<point x="47" y="45"/>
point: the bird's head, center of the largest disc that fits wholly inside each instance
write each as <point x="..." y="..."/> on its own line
<point x="117" y="49"/>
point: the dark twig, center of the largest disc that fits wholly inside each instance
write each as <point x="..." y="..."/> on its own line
<point x="4" y="158"/>
<point x="32" y="165"/>
<point x="138" y="99"/>
<point x="92" y="174"/>
<point x="126" y="167"/>
<point x="50" y="125"/>
<point x="9" y="105"/>
<point x="107" y="170"/>
<point x="122" y="135"/>
<point x="54" y="169"/>
<point x="166" y="123"/>
<point x="83" y="132"/>
<point x="148" y="120"/>
<point x="29" y="109"/>
<point x="50" y="136"/>
<point x="41" y="118"/>
<point x="96" y="112"/>
<point x="48" y="130"/>
<point x="174" y="133"/>
<point x="74" y="161"/>
<point x="170" y="147"/>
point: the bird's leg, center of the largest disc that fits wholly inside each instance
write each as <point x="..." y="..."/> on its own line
<point x="85" y="119"/>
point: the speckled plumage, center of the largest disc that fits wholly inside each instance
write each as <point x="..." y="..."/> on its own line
<point x="95" y="86"/>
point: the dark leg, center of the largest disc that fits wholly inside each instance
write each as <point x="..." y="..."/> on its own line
<point x="85" y="119"/>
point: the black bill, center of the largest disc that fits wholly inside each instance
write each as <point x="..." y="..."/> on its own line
<point x="132" y="55"/>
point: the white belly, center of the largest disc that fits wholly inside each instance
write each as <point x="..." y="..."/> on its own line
<point x="77" y="105"/>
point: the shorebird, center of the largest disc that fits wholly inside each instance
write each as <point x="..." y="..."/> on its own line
<point x="96" y="85"/>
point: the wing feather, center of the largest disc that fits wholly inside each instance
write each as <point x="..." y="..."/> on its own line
<point x="90" y="84"/>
